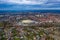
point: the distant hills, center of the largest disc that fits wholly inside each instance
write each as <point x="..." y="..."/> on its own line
<point x="24" y="11"/>
<point x="53" y="11"/>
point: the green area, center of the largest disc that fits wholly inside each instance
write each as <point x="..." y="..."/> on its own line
<point x="1" y="24"/>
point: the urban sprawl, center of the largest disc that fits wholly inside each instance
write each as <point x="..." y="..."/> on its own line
<point x="40" y="26"/>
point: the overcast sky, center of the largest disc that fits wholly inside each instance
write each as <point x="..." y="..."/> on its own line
<point x="29" y="4"/>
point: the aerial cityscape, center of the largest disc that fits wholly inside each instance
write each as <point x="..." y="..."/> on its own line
<point x="45" y="26"/>
<point x="29" y="19"/>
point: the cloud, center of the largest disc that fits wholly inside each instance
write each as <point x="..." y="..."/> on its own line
<point x="53" y="1"/>
<point x="24" y="1"/>
<point x="30" y="4"/>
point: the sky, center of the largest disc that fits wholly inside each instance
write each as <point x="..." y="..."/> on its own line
<point x="29" y="4"/>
